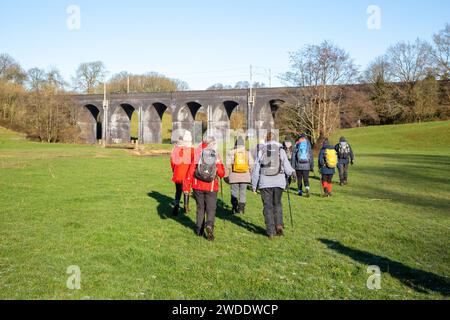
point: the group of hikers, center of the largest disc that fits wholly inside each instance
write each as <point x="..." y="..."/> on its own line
<point x="270" y="170"/>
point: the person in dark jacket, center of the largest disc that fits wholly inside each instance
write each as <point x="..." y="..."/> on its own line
<point x="345" y="157"/>
<point x="303" y="162"/>
<point x="326" y="172"/>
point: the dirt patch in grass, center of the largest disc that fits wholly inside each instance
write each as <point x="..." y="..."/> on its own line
<point x="150" y="153"/>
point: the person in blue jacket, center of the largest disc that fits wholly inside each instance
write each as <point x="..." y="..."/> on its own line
<point x="326" y="172"/>
<point x="303" y="162"/>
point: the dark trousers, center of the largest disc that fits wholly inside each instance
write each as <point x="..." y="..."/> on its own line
<point x="206" y="204"/>
<point x="343" y="172"/>
<point x="273" y="209"/>
<point x="178" y="193"/>
<point x="302" y="176"/>
<point x="328" y="178"/>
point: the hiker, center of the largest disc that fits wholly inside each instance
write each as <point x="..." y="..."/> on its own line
<point x="327" y="165"/>
<point x="181" y="158"/>
<point x="269" y="177"/>
<point x="345" y="157"/>
<point x="303" y="162"/>
<point x="239" y="162"/>
<point x="202" y="177"/>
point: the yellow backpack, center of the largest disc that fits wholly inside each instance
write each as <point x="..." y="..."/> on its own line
<point x="240" y="164"/>
<point x="331" y="158"/>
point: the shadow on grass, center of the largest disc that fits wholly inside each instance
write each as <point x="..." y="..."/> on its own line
<point x="224" y="213"/>
<point x="165" y="208"/>
<point x="418" y="280"/>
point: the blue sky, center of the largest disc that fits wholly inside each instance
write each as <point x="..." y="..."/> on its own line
<point x="205" y="42"/>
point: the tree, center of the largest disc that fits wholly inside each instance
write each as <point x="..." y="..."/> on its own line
<point x="36" y="79"/>
<point x="242" y="85"/>
<point x="410" y="61"/>
<point x="149" y="82"/>
<point x="319" y="69"/>
<point x="413" y="69"/>
<point x="49" y="116"/>
<point x="10" y="70"/>
<point x="220" y="86"/>
<point x="89" y="75"/>
<point x="441" y="52"/>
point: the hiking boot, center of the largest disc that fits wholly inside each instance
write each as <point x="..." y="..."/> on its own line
<point x="241" y="208"/>
<point x="235" y="206"/>
<point x="280" y="231"/>
<point x="209" y="233"/>
<point x="186" y="205"/>
<point x="325" y="192"/>
<point x="308" y="194"/>
<point x="345" y="182"/>
<point x="176" y="210"/>
<point x="300" y="193"/>
<point x="341" y="184"/>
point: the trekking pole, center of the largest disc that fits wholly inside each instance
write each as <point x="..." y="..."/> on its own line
<point x="290" y="208"/>
<point x="221" y="190"/>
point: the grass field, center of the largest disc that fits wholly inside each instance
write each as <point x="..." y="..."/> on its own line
<point x="108" y="212"/>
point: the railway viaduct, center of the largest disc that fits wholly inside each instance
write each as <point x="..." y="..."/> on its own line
<point x="109" y="117"/>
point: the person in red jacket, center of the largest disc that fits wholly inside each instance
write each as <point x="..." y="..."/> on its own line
<point x="202" y="178"/>
<point x="181" y="159"/>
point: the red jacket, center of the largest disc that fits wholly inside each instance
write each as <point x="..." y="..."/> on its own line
<point x="180" y="161"/>
<point x="196" y="184"/>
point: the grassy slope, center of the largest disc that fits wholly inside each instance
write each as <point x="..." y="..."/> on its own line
<point x="107" y="212"/>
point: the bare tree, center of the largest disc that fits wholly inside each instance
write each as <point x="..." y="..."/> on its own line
<point x="410" y="61"/>
<point x="441" y="52"/>
<point x="378" y="70"/>
<point x="142" y="83"/>
<point x="319" y="70"/>
<point x="89" y="75"/>
<point x="36" y="79"/>
<point x="10" y="70"/>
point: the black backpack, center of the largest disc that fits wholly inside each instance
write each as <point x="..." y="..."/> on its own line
<point x="271" y="160"/>
<point x="344" y="150"/>
<point x="206" y="170"/>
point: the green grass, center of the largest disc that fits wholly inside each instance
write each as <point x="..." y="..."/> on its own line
<point x="109" y="213"/>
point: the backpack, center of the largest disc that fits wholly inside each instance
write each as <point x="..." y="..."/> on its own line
<point x="303" y="152"/>
<point x="271" y="160"/>
<point x="344" y="150"/>
<point x="331" y="158"/>
<point x="206" y="170"/>
<point x="240" y="164"/>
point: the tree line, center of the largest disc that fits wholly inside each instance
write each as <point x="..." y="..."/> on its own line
<point x="409" y="83"/>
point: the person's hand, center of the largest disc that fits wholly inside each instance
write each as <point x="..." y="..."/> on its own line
<point x="254" y="192"/>
<point x="186" y="193"/>
<point x="351" y="162"/>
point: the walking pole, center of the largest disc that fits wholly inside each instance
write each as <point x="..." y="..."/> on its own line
<point x="290" y="208"/>
<point x="221" y="191"/>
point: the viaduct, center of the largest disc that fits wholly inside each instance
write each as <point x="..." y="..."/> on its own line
<point x="109" y="117"/>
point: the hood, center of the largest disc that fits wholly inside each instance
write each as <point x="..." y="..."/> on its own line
<point x="326" y="143"/>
